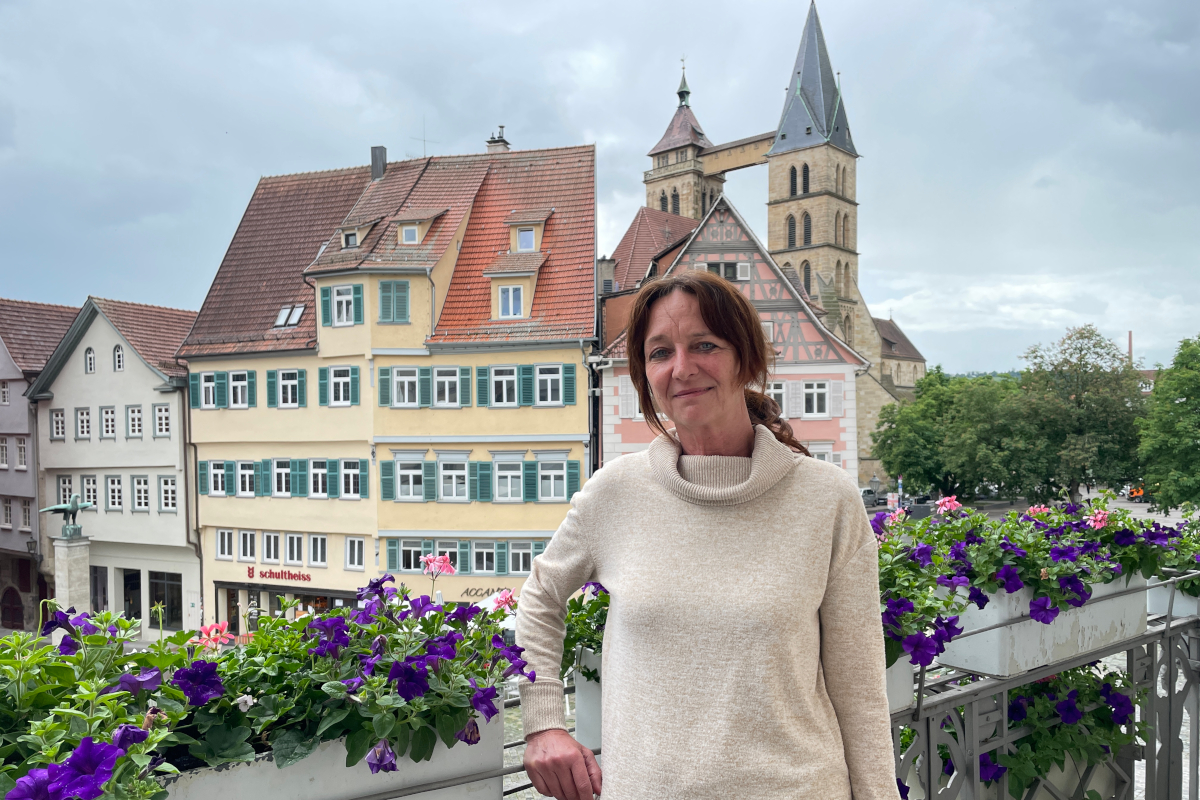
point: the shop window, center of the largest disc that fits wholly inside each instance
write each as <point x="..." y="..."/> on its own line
<point x="166" y="588"/>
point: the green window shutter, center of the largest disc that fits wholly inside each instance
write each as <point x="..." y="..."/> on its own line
<point x="426" y="547"/>
<point x="393" y="554"/>
<point x="538" y="548"/>
<point x="268" y="478"/>
<point x="302" y="473"/>
<point x="364" y="478"/>
<point x="251" y="389"/>
<point x="429" y="480"/>
<point x="387" y="482"/>
<point x="400" y="288"/>
<point x="482" y="393"/>
<point x="425" y="386"/>
<point x="473" y="480"/>
<point x="525" y="373"/>
<point x="202" y="477"/>
<point x="323" y="386"/>
<point x="501" y="558"/>
<point x="222" y="389"/>
<point x="485" y="481"/>
<point x="464" y="556"/>
<point x="572" y="478"/>
<point x="385" y="301"/>
<point x="358" y="303"/>
<point x="194" y="390"/>
<point x="354" y="386"/>
<point x="258" y="479"/>
<point x="230" y="478"/>
<point x="333" y="479"/>
<point x="568" y="388"/>
<point x="464" y="386"/>
<point x="326" y="306"/>
<point x="294" y="476"/>
<point x="301" y="387"/>
<point x="530" y="481"/>
<point x="385" y="386"/>
<point x="272" y="391"/>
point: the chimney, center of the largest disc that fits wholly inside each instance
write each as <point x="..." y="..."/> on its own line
<point x="378" y="162"/>
<point x="606" y="267"/>
<point x="497" y="144"/>
<point x="1131" y="346"/>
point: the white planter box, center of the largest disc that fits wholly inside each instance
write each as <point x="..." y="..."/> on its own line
<point x="589" y="703"/>
<point x="1158" y="597"/>
<point x="900" y="691"/>
<point x="324" y="776"/>
<point x="1021" y="647"/>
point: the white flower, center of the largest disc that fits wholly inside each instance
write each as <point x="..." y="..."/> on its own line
<point x="244" y="702"/>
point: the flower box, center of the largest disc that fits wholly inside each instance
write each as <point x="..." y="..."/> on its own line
<point x="1184" y="606"/>
<point x="900" y="692"/>
<point x="324" y="775"/>
<point x="589" y="702"/>
<point x="1023" y="646"/>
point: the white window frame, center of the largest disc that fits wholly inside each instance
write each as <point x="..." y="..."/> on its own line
<point x="743" y="271"/>
<point x="58" y="423"/>
<point x="83" y="423"/>
<point x="162" y="421"/>
<point x="111" y="483"/>
<point x="777" y="391"/>
<point x="447" y="547"/>
<point x="134" y="420"/>
<point x="512" y="300"/>
<point x="293" y="549"/>
<point x="532" y="240"/>
<point x="168" y="494"/>
<point x="289" y="388"/>
<point x="446" y="378"/>
<point x="141" y="492"/>
<point x="22" y="453"/>
<point x="523" y="548"/>
<point x="411" y="551"/>
<point x="343" y="306"/>
<point x="318" y="550"/>
<point x="410" y="477"/>
<point x="5" y="394"/>
<point x="351" y="479"/>
<point x="457" y="469"/>
<point x="554" y="470"/>
<point x="118" y="358"/>
<point x="3" y="452"/>
<point x="208" y="390"/>
<point x="281" y="477"/>
<point x="247" y="545"/>
<point x="65" y="487"/>
<point x="239" y="390"/>
<point x="318" y="487"/>
<point x="89" y="361"/>
<point x="216" y="477"/>
<point x="405" y="384"/>
<point x="504" y="382"/>
<point x="245" y="469"/>
<point x="409" y="235"/>
<point x="816" y="394"/>
<point x="768" y="327"/>
<point x="89" y="490"/>
<point x="356" y="550"/>
<point x="511" y="477"/>
<point x="270" y="547"/>
<point x="339" y="384"/>
<point x="108" y="422"/>
<point x="480" y="553"/>
<point x="225" y="548"/>
<point x="6" y="507"/>
<point x="26" y="515"/>
<point x="549" y="374"/>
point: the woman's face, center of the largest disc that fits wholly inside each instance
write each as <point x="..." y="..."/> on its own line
<point x="692" y="373"/>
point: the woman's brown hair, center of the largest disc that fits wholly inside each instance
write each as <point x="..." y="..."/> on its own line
<point x="727" y="314"/>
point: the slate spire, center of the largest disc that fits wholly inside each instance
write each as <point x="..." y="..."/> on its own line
<point x="813" y="111"/>
<point x="684" y="92"/>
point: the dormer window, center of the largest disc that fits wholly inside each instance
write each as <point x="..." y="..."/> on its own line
<point x="349" y="239"/>
<point x="510" y="302"/>
<point x="525" y="240"/>
<point x="289" y="316"/>
<point x="408" y="234"/>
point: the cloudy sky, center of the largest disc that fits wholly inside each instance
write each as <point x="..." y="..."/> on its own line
<point x="1027" y="165"/>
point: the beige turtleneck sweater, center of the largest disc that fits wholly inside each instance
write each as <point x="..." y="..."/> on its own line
<point x="743" y="655"/>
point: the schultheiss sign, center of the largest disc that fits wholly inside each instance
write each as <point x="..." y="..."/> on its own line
<point x="279" y="574"/>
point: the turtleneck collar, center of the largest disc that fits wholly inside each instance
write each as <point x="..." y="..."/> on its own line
<point x="721" y="480"/>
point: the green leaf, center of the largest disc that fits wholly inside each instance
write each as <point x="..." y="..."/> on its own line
<point x="383" y="723"/>
<point x="60" y="672"/>
<point x="423" y="741"/>
<point x="892" y="650"/>
<point x="223" y="745"/>
<point x="357" y="745"/>
<point x="7" y="784"/>
<point x="206" y="719"/>
<point x="334" y="688"/>
<point x="451" y="723"/>
<point x="332" y="718"/>
<point x="401" y="736"/>
<point x="141" y="759"/>
<point x="290" y="746"/>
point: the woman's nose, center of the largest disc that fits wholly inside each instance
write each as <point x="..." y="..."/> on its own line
<point x="684" y="365"/>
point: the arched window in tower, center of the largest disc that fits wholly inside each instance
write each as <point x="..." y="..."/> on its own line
<point x="806" y="268"/>
<point x="837" y="224"/>
<point x="792" y="181"/>
<point x="837" y="279"/>
<point x="804" y="180"/>
<point x="846" y="231"/>
<point x="848" y="327"/>
<point x="791" y="230"/>
<point x="662" y="200"/>
<point x="845" y="192"/>
<point x="703" y="202"/>
<point x="807" y="229"/>
<point x="674" y="201"/>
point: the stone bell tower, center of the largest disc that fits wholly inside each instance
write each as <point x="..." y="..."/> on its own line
<point x="677" y="182"/>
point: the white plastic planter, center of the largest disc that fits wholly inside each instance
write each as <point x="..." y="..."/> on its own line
<point x="324" y="775"/>
<point x="900" y="692"/>
<point x="589" y="703"/>
<point x="1023" y="646"/>
<point x="1184" y="606"/>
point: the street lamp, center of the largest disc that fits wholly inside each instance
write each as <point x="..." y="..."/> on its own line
<point x="31" y="546"/>
<point x="874" y="483"/>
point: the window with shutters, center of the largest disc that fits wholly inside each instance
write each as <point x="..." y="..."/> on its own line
<point x="410" y="555"/>
<point x="410" y="485"/>
<point x="404" y="393"/>
<point x="674" y="201"/>
<point x="64" y="488"/>
<point x="510" y="302"/>
<point x="662" y="200"/>
<point x="208" y="390"/>
<point x="791" y="231"/>
<point x="246" y="541"/>
<point x="350" y="479"/>
<point x="114" y="493"/>
<point x="339" y="386"/>
<point x="777" y="391"/>
<point x="162" y="420"/>
<point x="792" y="181"/>
<point x="282" y="471"/>
<point x="807" y="229"/>
<point x="225" y="544"/>
<point x="239" y="390"/>
<point x="133" y="421"/>
<point x="83" y="423"/>
<point x="448" y="548"/>
<point x="549" y="385"/>
<point x="289" y="389"/>
<point x="293" y="549"/>
<point x="168" y="494"/>
<point x="90" y="494"/>
<point x="89" y="361"/>
<point x="816" y="398"/>
<point x="508" y="482"/>
<point x="804" y="179"/>
<point x="520" y="557"/>
<point x="343" y="306"/>
<point x="245" y="479"/>
<point x="141" y="493"/>
<point x="216" y="477"/>
<point x="108" y="423"/>
<point x="270" y="553"/>
<point x="807" y="269"/>
<point x="552" y="480"/>
<point x="319" y="480"/>
<point x="453" y="483"/>
<point x="318" y="550"/>
<point x="118" y="358"/>
<point x="58" y="424"/>
<point x="445" y="387"/>
<point x="504" y="386"/>
<point x="484" y="554"/>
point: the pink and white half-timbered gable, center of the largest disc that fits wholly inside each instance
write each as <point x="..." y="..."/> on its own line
<point x="813" y="379"/>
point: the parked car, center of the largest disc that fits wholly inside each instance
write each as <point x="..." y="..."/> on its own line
<point x="869" y="498"/>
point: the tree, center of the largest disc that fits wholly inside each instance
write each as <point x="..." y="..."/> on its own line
<point x="1170" y="447"/>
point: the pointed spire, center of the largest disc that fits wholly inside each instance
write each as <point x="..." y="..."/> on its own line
<point x="813" y="111"/>
<point x="684" y="92"/>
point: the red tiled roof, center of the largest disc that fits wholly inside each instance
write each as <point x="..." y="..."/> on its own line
<point x="516" y="262"/>
<point x="683" y="130"/>
<point x="287" y="221"/>
<point x="154" y="331"/>
<point x="31" y="331"/>
<point x="523" y="216"/>
<point x="419" y="214"/>
<point x="564" y="302"/>
<point x="616" y="350"/>
<point x="895" y="343"/>
<point x="650" y="233"/>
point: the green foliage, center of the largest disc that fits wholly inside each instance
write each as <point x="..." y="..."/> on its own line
<point x="1170" y="446"/>
<point x="587" y="614"/>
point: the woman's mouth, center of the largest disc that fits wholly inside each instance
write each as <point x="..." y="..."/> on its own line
<point x="686" y="393"/>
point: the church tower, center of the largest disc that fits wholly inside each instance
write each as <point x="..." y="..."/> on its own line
<point x="676" y="183"/>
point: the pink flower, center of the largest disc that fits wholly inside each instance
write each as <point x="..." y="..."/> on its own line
<point x="897" y="516"/>
<point x="1098" y="519"/>
<point x="948" y="504"/>
<point x="506" y="600"/>
<point x="437" y="565"/>
<point x="1037" y="510"/>
<point x="213" y="636"/>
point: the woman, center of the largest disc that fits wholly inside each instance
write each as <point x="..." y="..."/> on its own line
<point x="743" y="655"/>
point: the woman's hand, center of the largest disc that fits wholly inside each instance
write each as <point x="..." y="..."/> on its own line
<point x="561" y="767"/>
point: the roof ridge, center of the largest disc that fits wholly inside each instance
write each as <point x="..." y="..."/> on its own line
<point x="143" y="305"/>
<point x="311" y="172"/>
<point x="39" y="303"/>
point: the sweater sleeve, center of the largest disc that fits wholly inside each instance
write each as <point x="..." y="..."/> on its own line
<point x="559" y="572"/>
<point x="852" y="657"/>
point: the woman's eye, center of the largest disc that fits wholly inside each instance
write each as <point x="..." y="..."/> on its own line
<point x="706" y="346"/>
<point x="658" y="353"/>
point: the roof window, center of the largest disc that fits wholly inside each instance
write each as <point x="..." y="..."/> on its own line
<point x="408" y="234"/>
<point x="289" y="316"/>
<point x="349" y="239"/>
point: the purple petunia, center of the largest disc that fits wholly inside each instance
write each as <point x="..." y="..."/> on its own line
<point x="81" y="622"/>
<point x="1009" y="547"/>
<point x="596" y="587"/>
<point x="977" y="597"/>
<point x="444" y="646"/>
<point x="1071" y="508"/>
<point x="878" y="523"/>
<point x="1068" y="710"/>
<point x="958" y="551"/>
<point x="423" y="605"/>
<point x="85" y="772"/>
<point x="464" y="613"/>
<point x="946" y="629"/>
<point x="58" y="619"/>
<point x="922" y="554"/>
<point x="1068" y="553"/>
<point x="375" y="587"/>
<point x="127" y="735"/>
<point x="895" y="608"/>
<point x="953" y="581"/>
<point x="921" y="648"/>
<point x="1072" y="584"/>
<point x="34" y="786"/>
<point x="381" y="758"/>
<point x="332" y="633"/>
<point x="68" y="646"/>
<point x="199" y="682"/>
<point x="1125" y="538"/>
<point x="1121" y="705"/>
<point x="516" y="664"/>
<point x="1018" y="708"/>
<point x="1010" y="578"/>
<point x="353" y="684"/>
<point x="1043" y="610"/>
<point x="411" y="681"/>
<point x="903" y="787"/>
<point x="147" y="679"/>
<point x="371" y="609"/>
<point x="469" y="733"/>
<point x="482" y="701"/>
<point x="989" y="771"/>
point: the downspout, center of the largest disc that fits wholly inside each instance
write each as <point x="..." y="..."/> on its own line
<point x="593" y="417"/>
<point x="432" y="297"/>
<point x="197" y="543"/>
